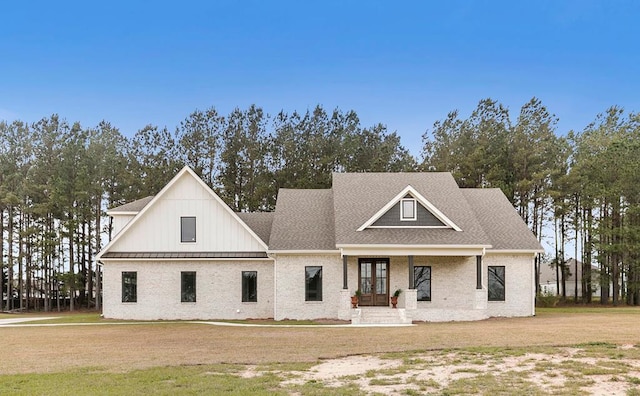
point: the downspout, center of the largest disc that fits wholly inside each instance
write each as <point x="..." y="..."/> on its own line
<point x="275" y="284"/>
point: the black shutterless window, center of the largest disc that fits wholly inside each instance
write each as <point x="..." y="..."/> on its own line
<point x="249" y="286"/>
<point x="496" y="283"/>
<point x="130" y="287"/>
<point x="188" y="286"/>
<point x="187" y="229"/>
<point x="313" y="283"/>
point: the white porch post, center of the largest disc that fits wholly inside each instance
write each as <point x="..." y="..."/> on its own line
<point x="411" y="294"/>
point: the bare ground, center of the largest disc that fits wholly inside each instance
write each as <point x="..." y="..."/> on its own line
<point x="126" y="347"/>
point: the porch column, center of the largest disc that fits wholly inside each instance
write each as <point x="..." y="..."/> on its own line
<point x="411" y="280"/>
<point x="344" y="272"/>
<point x="478" y="272"/>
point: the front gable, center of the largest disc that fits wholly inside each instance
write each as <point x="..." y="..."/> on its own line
<point x="157" y="227"/>
<point x="409" y="209"/>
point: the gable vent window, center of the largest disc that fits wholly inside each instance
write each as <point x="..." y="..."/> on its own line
<point x="408" y="209"/>
<point x="187" y="229"/>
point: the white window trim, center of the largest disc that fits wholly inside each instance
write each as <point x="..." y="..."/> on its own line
<point x="415" y="211"/>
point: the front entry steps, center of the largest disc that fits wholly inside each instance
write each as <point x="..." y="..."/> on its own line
<point x="380" y="315"/>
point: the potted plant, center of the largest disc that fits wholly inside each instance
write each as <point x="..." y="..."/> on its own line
<point x="394" y="298"/>
<point x="355" y="298"/>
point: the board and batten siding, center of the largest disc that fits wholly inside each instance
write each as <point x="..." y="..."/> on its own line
<point x="119" y="221"/>
<point x="158" y="229"/>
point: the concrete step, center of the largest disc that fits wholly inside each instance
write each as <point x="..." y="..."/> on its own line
<point x="380" y="315"/>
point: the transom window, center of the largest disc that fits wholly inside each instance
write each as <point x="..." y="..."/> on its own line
<point x="408" y="209"/>
<point x="249" y="286"/>
<point x="187" y="229"/>
<point x="422" y="282"/>
<point x="313" y="283"/>
<point x="496" y="283"/>
<point x="130" y="287"/>
<point x="188" y="286"/>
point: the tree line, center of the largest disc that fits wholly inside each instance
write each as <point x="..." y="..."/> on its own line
<point x="57" y="179"/>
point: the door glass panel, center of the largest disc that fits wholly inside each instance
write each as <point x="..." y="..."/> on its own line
<point x="381" y="277"/>
<point x="365" y="278"/>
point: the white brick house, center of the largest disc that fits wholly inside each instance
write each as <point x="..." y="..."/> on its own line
<point x="456" y="254"/>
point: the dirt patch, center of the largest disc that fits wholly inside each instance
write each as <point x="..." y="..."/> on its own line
<point x="552" y="373"/>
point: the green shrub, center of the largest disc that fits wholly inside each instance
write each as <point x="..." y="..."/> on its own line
<point x="547" y="300"/>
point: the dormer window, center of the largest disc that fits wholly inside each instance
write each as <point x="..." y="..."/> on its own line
<point x="408" y="209"/>
<point x="187" y="229"/>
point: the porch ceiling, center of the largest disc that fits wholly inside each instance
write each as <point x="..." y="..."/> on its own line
<point x="413" y="250"/>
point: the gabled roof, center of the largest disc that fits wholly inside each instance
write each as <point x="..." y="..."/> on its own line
<point x="501" y="223"/>
<point x="358" y="197"/>
<point x="330" y="219"/>
<point x="303" y="221"/>
<point x="410" y="191"/>
<point x="259" y="222"/>
<point x="186" y="170"/>
<point x="131" y="207"/>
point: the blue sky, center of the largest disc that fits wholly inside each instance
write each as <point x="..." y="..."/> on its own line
<point x="405" y="64"/>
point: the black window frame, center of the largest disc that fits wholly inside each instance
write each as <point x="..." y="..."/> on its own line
<point x="129" y="286"/>
<point x="417" y="284"/>
<point x="495" y="279"/>
<point x="183" y="228"/>
<point x="313" y="279"/>
<point x="186" y="284"/>
<point x="249" y="286"/>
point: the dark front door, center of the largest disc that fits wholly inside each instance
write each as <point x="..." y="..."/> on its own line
<point x="373" y="278"/>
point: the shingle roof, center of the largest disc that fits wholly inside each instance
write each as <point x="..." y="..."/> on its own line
<point x="308" y="219"/>
<point x="259" y="222"/>
<point x="359" y="196"/>
<point x="303" y="221"/>
<point x="134" y="206"/>
<point x="501" y="222"/>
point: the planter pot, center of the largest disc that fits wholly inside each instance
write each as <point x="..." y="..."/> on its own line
<point x="394" y="301"/>
<point x="354" y="301"/>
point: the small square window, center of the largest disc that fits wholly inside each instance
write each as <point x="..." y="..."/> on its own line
<point x="188" y="286"/>
<point x="249" y="286"/>
<point x="408" y="209"/>
<point x="187" y="229"/>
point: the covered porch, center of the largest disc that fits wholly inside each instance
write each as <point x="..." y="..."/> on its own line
<point x="435" y="283"/>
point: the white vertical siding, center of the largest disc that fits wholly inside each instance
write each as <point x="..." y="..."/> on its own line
<point x="119" y="221"/>
<point x="158" y="229"/>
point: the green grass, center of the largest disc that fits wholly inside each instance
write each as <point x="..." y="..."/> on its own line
<point x="271" y="379"/>
<point x="92" y="317"/>
<point x="188" y="380"/>
<point x="582" y="309"/>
